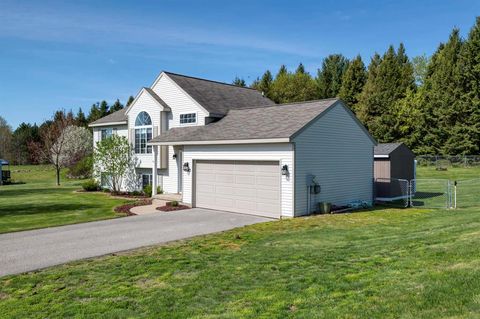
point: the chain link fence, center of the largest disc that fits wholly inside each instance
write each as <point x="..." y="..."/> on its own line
<point x="392" y="192"/>
<point x="427" y="193"/>
<point x="445" y="161"/>
<point x="430" y="193"/>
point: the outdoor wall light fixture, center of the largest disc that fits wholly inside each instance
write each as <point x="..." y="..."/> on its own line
<point x="174" y="156"/>
<point x="285" y="170"/>
<point x="186" y="167"/>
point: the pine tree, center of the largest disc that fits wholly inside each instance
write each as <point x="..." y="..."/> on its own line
<point x="292" y="87"/>
<point x="130" y="100"/>
<point x="80" y="119"/>
<point x="95" y="113"/>
<point x="117" y="106"/>
<point x="104" y="110"/>
<point x="329" y="78"/>
<point x="239" y="82"/>
<point x="264" y="84"/>
<point x="467" y="126"/>
<point x="392" y="79"/>
<point x="300" y="69"/>
<point x="353" y="82"/>
<point x="441" y="110"/>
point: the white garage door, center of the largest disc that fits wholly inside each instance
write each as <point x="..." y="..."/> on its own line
<point x="250" y="187"/>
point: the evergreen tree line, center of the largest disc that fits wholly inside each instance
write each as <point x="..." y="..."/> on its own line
<point x="19" y="146"/>
<point x="430" y="103"/>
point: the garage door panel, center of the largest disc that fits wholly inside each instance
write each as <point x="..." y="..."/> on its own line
<point x="251" y="187"/>
<point x="245" y="179"/>
<point x="205" y="177"/>
<point x="205" y="188"/>
<point x="267" y="181"/>
<point x="268" y="194"/>
<point x="224" y="178"/>
<point x="224" y="190"/>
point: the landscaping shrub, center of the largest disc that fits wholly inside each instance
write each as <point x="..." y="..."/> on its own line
<point x="147" y="190"/>
<point x="82" y="169"/>
<point x="90" y="186"/>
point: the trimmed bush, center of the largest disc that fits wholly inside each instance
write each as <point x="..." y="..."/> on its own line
<point x="147" y="190"/>
<point x="82" y="169"/>
<point x="90" y="186"/>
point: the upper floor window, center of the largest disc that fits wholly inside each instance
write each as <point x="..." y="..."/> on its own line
<point x="106" y="133"/>
<point x="143" y="133"/>
<point x="188" y="118"/>
<point x="143" y="119"/>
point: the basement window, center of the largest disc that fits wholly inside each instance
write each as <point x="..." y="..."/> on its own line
<point x="188" y="118"/>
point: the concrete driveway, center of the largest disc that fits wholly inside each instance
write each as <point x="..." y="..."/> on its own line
<point x="35" y="249"/>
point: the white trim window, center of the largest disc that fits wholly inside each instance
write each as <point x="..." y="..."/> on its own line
<point x="143" y="133"/>
<point x="188" y="118"/>
<point x="105" y="133"/>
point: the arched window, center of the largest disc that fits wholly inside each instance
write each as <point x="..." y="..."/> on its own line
<point x="143" y="119"/>
<point x="143" y="133"/>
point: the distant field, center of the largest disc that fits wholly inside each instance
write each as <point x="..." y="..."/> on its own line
<point x="40" y="203"/>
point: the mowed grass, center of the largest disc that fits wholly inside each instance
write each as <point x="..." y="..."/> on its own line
<point x="432" y="186"/>
<point x="386" y="263"/>
<point x="40" y="203"/>
<point x="381" y="263"/>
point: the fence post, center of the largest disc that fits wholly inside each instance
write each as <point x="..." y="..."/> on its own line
<point x="455" y="194"/>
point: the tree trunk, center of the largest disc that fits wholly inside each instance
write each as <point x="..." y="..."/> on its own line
<point x="58" y="175"/>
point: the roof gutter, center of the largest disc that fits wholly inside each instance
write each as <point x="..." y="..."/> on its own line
<point x="107" y="124"/>
<point x="223" y="142"/>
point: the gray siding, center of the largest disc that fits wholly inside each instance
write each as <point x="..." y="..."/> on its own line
<point x="339" y="153"/>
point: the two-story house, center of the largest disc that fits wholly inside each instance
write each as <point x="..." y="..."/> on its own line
<point x="227" y="147"/>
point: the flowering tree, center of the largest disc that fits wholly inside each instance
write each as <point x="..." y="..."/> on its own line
<point x="63" y="144"/>
<point x="114" y="157"/>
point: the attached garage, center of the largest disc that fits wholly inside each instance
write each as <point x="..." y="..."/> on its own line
<point x="250" y="187"/>
<point x="275" y="161"/>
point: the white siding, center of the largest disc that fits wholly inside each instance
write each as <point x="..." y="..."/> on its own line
<point x="144" y="103"/>
<point x="340" y="154"/>
<point x="253" y="152"/>
<point x="180" y="103"/>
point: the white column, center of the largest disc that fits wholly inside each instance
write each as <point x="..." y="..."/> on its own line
<point x="154" y="170"/>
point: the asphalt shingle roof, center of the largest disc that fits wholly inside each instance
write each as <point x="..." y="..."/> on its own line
<point x="217" y="97"/>
<point x="277" y="121"/>
<point x="118" y="116"/>
<point x="385" y="148"/>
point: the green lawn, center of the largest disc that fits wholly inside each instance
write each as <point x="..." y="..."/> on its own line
<point x="452" y="173"/>
<point x="382" y="263"/>
<point x="40" y="203"/>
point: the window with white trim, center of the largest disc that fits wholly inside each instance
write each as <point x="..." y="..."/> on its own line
<point x="106" y="133"/>
<point x="188" y="118"/>
<point x="143" y="133"/>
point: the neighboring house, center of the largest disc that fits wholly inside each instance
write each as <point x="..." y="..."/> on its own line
<point x="227" y="147"/>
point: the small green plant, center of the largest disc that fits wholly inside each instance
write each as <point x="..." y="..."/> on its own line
<point x="147" y="190"/>
<point x="90" y="186"/>
<point x="82" y="169"/>
<point x="174" y="203"/>
<point x="135" y="193"/>
<point x="159" y="190"/>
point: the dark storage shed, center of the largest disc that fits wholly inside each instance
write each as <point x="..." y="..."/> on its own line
<point x="394" y="165"/>
<point x="394" y="160"/>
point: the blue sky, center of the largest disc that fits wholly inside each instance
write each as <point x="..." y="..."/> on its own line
<point x="70" y="54"/>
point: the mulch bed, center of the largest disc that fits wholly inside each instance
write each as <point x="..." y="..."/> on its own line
<point x="125" y="209"/>
<point x="167" y="208"/>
